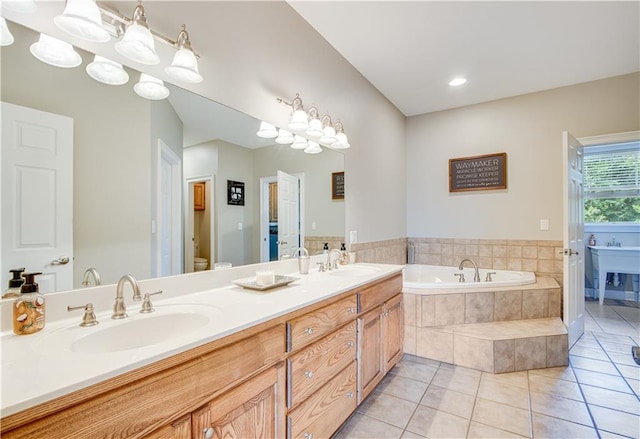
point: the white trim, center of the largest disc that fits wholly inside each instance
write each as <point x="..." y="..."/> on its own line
<point x="612" y="227"/>
<point x="165" y="153"/>
<point x="628" y="136"/>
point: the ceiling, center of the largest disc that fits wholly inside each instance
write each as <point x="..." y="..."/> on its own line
<point x="410" y="50"/>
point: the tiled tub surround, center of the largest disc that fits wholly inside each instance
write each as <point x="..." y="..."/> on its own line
<point x="497" y="330"/>
<point x="375" y="252"/>
<point x="315" y="244"/>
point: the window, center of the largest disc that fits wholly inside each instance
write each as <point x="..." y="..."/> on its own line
<point x="612" y="183"/>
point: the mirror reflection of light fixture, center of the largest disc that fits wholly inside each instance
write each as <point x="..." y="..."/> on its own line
<point x="185" y="65"/>
<point x="299" y="142"/>
<point x="6" y="39"/>
<point x="267" y="131"/>
<point x="81" y="18"/>
<point x="150" y="87"/>
<point x="55" y="52"/>
<point x="328" y="131"/>
<point x="106" y="71"/>
<point x="284" y="137"/>
<point x="315" y="125"/>
<point x="299" y="119"/>
<point x="21" y="6"/>
<point x="137" y="43"/>
<point x="342" y="140"/>
<point x="313" y="148"/>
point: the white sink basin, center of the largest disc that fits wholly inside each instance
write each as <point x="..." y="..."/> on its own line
<point x="354" y="271"/>
<point x="142" y="331"/>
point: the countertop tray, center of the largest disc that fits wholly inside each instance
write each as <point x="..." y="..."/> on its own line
<point x="251" y="284"/>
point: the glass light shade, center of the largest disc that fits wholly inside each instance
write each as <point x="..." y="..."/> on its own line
<point x="137" y="45"/>
<point x="106" y="71"/>
<point x="299" y="142"/>
<point x="313" y="148"/>
<point x="22" y="6"/>
<point x="184" y="67"/>
<point x="328" y="136"/>
<point x="299" y="121"/>
<point x="284" y="137"/>
<point x="6" y="39"/>
<point x="55" y="52"/>
<point x="267" y="131"/>
<point x="342" y="142"/>
<point x="151" y="88"/>
<point x="81" y="18"/>
<point x="315" y="128"/>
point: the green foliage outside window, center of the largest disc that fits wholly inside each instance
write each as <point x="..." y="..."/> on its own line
<point x="612" y="210"/>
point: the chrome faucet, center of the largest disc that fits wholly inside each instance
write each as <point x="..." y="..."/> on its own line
<point x="333" y="265"/>
<point x="476" y="276"/>
<point x="96" y="277"/>
<point x="119" y="309"/>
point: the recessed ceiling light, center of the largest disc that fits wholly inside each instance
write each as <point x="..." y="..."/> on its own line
<point x="457" y="81"/>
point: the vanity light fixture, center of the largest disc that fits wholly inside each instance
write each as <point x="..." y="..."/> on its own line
<point x="6" y="39"/>
<point x="185" y="65"/>
<point x="82" y="19"/>
<point x="456" y="82"/>
<point x="299" y="119"/>
<point x="343" y="141"/>
<point x="284" y="137"/>
<point x="151" y="88"/>
<point x="328" y="131"/>
<point x="55" y="52"/>
<point x="106" y="71"/>
<point x="315" y="125"/>
<point x="21" y="6"/>
<point x="313" y="148"/>
<point x="137" y="43"/>
<point x="299" y="142"/>
<point x="267" y="131"/>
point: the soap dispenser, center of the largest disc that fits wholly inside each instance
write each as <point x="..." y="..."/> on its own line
<point x="28" y="308"/>
<point x="14" y="283"/>
<point x="325" y="248"/>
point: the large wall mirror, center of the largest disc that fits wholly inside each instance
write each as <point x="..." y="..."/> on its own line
<point x="156" y="184"/>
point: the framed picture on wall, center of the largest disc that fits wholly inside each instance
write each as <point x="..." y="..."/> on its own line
<point x="235" y="193"/>
<point x="337" y="185"/>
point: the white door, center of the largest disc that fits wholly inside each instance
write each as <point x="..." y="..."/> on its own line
<point x="573" y="238"/>
<point x="37" y="195"/>
<point x="169" y="218"/>
<point x="288" y="213"/>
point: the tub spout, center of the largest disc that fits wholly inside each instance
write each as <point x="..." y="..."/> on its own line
<point x="476" y="276"/>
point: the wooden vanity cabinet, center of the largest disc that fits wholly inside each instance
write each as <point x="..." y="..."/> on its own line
<point x="180" y="429"/>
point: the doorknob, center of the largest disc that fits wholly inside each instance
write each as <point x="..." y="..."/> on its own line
<point x="569" y="252"/>
<point x="62" y="260"/>
<point x="281" y="242"/>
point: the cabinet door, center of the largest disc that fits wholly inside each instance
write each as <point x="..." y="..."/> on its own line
<point x="392" y="332"/>
<point x="180" y="429"/>
<point x="199" y="196"/>
<point x="370" y="366"/>
<point x="254" y="409"/>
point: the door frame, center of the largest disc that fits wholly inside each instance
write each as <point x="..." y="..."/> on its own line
<point x="166" y="154"/>
<point x="189" y="218"/>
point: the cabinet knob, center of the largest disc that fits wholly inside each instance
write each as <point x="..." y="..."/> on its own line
<point x="349" y="394"/>
<point x="308" y="435"/>
<point x="350" y="343"/>
<point x="351" y="310"/>
<point x="207" y="433"/>
<point x="309" y="374"/>
<point x="309" y="331"/>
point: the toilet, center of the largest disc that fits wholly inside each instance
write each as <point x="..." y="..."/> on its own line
<point x="200" y="264"/>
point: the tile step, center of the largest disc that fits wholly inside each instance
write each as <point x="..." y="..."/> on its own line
<point x="508" y="330"/>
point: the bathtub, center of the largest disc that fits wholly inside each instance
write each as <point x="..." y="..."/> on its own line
<point x="440" y="277"/>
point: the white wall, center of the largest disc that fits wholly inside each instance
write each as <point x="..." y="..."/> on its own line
<point x="529" y="129"/>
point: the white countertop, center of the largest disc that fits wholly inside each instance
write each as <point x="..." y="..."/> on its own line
<point x="40" y="367"/>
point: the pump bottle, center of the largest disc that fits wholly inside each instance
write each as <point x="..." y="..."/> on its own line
<point x="28" y="308"/>
<point x="14" y="283"/>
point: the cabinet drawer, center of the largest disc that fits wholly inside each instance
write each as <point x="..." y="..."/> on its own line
<point x="325" y="411"/>
<point x="316" y="324"/>
<point x="312" y="367"/>
<point x="379" y="293"/>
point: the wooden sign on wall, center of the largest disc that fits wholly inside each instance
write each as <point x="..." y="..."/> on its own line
<point x="482" y="172"/>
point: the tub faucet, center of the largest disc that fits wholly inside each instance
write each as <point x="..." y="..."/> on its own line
<point x="119" y="309"/>
<point x="476" y="276"/>
<point x="96" y="277"/>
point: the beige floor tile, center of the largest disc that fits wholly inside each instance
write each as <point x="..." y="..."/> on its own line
<point x="602" y="380"/>
<point x="505" y="394"/>
<point x="624" y="402"/>
<point x="589" y="352"/>
<point x="562" y="373"/>
<point x="365" y="427"/>
<point x="502" y="416"/>
<point x="554" y="386"/>
<point x="608" y="435"/>
<point x="436" y="424"/>
<point x="616" y="422"/>
<point x="634" y="384"/>
<point x="388" y="408"/>
<point x="593" y="365"/>
<point x="415" y="371"/>
<point x="481" y="431"/>
<point x="458" y="379"/>
<point x="421" y="360"/>
<point x="402" y="387"/>
<point x="449" y="401"/>
<point x="549" y="428"/>
<point x="632" y="372"/>
<point x="623" y="348"/>
<point x="614" y="338"/>
<point x="410" y="435"/>
<point x="623" y="358"/>
<point x="517" y="379"/>
<point x="563" y="408"/>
